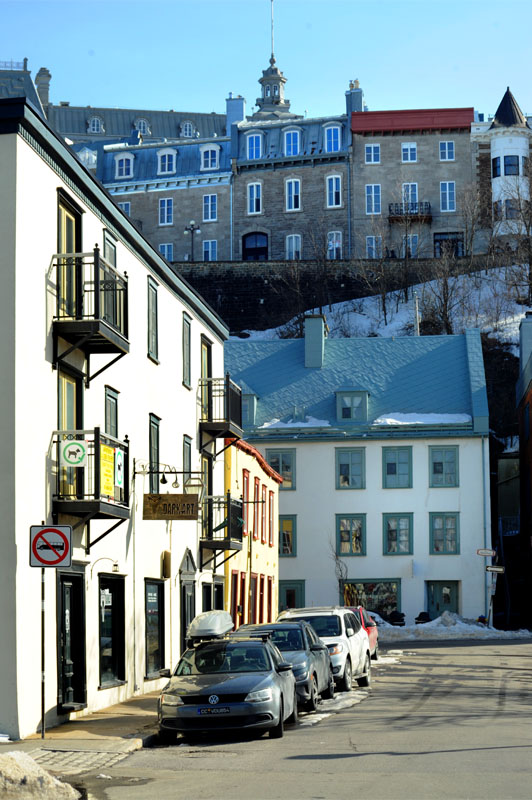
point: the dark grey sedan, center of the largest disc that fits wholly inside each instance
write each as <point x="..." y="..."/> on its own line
<point x="228" y="684"/>
<point x="309" y="656"/>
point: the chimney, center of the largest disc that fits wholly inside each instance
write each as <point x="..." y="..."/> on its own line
<point x="354" y="98"/>
<point x="315" y="334"/>
<point x="525" y="340"/>
<point x="235" y="111"/>
<point x="42" y="84"/>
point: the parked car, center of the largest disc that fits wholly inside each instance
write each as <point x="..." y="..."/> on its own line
<point x="346" y="639"/>
<point x="227" y="684"/>
<point x="309" y="656"/>
<point x="370" y="626"/>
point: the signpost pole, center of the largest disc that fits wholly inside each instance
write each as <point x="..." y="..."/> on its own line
<point x="43" y="709"/>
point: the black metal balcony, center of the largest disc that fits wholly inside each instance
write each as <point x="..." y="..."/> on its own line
<point x="220" y="403"/>
<point x="419" y="212"/>
<point x="221" y="528"/>
<point x="91" y="475"/>
<point x="92" y="306"/>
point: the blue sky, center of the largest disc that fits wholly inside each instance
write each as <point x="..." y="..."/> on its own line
<point x="189" y="54"/>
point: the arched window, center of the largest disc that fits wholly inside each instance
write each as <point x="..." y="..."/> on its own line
<point x="293" y="247"/>
<point x="187" y="130"/>
<point x="210" y="156"/>
<point x="267" y="91"/>
<point x="95" y="125"/>
<point x="255" y="247"/>
<point x="142" y="126"/>
<point x="166" y="161"/>
<point x="123" y="165"/>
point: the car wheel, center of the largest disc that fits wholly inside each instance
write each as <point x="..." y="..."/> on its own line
<point x="277" y="732"/>
<point x="346" y="684"/>
<point x="294" y="716"/>
<point x="312" y="702"/>
<point x="328" y="694"/>
<point x="375" y="655"/>
<point x="365" y="680"/>
<point x="166" y="736"/>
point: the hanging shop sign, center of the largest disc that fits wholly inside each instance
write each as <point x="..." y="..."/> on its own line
<point x="170" y="506"/>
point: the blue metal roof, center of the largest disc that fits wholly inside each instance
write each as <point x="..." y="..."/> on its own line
<point x="312" y="137"/>
<point x="410" y="375"/>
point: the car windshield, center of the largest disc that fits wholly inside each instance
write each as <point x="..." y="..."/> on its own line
<point x="219" y="657"/>
<point x="325" y="625"/>
<point x="287" y="639"/>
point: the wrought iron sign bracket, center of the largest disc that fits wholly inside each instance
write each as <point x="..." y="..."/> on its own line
<point x="99" y="538"/>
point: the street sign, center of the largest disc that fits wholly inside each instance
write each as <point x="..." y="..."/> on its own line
<point x="499" y="570"/>
<point x="50" y="546"/>
<point x="486" y="553"/>
<point x="73" y="453"/>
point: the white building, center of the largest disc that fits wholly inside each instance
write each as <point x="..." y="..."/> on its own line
<point x="383" y="449"/>
<point x="105" y="350"/>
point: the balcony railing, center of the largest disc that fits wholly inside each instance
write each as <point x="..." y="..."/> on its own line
<point x="220" y="403"/>
<point x="221" y="523"/>
<point x="417" y="209"/>
<point x="92" y="473"/>
<point x="91" y="289"/>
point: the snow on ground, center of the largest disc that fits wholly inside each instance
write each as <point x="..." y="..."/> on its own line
<point x="448" y="626"/>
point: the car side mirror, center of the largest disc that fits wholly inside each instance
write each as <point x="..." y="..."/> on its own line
<point x="164" y="673"/>
<point x="371" y="624"/>
<point x="283" y="666"/>
<point x="317" y="647"/>
<point x="350" y="631"/>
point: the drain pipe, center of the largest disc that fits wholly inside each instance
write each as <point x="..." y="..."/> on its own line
<point x="487" y="545"/>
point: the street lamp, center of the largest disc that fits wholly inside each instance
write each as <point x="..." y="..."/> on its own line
<point x="192" y="228"/>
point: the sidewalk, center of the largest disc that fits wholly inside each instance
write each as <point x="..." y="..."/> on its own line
<point x="98" y="740"/>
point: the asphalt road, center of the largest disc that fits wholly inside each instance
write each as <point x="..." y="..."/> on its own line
<point x="447" y="720"/>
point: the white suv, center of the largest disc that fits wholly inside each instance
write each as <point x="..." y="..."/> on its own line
<point x="346" y="639"/>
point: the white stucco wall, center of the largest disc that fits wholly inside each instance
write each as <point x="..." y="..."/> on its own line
<point x="316" y="501"/>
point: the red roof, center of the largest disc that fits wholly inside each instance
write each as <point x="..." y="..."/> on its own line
<point x="248" y="448"/>
<point x="412" y="120"/>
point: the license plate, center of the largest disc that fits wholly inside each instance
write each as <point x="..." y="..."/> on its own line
<point x="218" y="710"/>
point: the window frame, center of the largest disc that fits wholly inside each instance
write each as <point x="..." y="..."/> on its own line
<point x="168" y="251"/>
<point x="210" y="207"/>
<point x="447" y="198"/>
<point x="444" y="514"/>
<point x="125" y="207"/>
<point x="372" y="150"/>
<point x="256" y="500"/>
<point x="210" y="157"/>
<point x="271" y="512"/>
<point x="186" y="334"/>
<point x="374" y="248"/>
<point x="254" y="198"/>
<point x="245" y="501"/>
<point x="210" y="249"/>
<point x="401" y="449"/>
<point x="166" y="211"/>
<point x="343" y="451"/>
<point x="293" y="195"/>
<point x="187" y="458"/>
<point x="333" y="191"/>
<point x="111" y="411"/>
<point x="153" y="320"/>
<point x="123" y="159"/>
<point x="292" y="142"/>
<point x="496" y="167"/>
<point x="154" y="451"/>
<point x="351" y="517"/>
<point x="252" y="148"/>
<point x="373" y="199"/>
<point x="448" y="448"/>
<point x="334" y="253"/>
<point x="351" y="393"/>
<point x="263" y="514"/>
<point x="158" y="586"/>
<point x="333" y="139"/>
<point x="293" y="535"/>
<point x="444" y="147"/>
<point x="406" y="149"/>
<point x="511" y="165"/>
<point x="166" y="154"/>
<point x="290" y="247"/>
<point x="385" y="542"/>
<point x="279" y="453"/>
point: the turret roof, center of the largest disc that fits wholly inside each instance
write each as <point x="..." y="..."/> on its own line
<point x="509" y="115"/>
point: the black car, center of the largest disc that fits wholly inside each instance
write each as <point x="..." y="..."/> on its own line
<point x="309" y="656"/>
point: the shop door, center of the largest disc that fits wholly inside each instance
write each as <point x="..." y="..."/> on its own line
<point x="442" y="596"/>
<point x="291" y="594"/>
<point x="72" y="692"/>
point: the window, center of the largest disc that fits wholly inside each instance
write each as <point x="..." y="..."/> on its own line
<point x="409" y="245"/>
<point x="443" y="466"/>
<point x="383" y="597"/>
<point x="293" y="195"/>
<point x="373" y="198"/>
<point x="153" y="336"/>
<point x="270" y="518"/>
<point x="154" y="627"/>
<point x="254" y="146"/>
<point x="186" y="351"/>
<point x="166" y="211"/>
<point x="352" y="405"/>
<point x="143" y="126"/>
<point x="291" y="143"/>
<point x="210" y="249"/>
<point x="351" y="534"/>
<point x="397" y="467"/>
<point x="334" y="191"/>
<point x="123" y="166"/>
<point x="109" y="248"/>
<point x="444" y="534"/>
<point x="249" y="407"/>
<point x="254" y="198"/>
<point x="332" y="139"/>
<point x="287" y="535"/>
<point x="167" y="250"/>
<point x="408" y="151"/>
<point x="397" y="534"/>
<point x="511" y="209"/>
<point x="373" y="154"/>
<point x="256" y="509"/>
<point x="334" y="245"/>
<point x="154" y="453"/>
<point x="111" y="412"/>
<point x="350" y="468"/>
<point x="209" y="207"/>
<point x="283" y="462"/>
<point x="209" y="157"/>
<point x="447" y="196"/>
<point x="263" y="510"/>
<point x="126" y="208"/>
<point x="449" y="243"/>
<point x="245" y="501"/>
<point x="373" y="246"/>
<point x="166" y="162"/>
<point x="511" y="165"/>
<point x="410" y="197"/>
<point x="187" y="130"/>
<point x="95" y="125"/>
<point x="446" y="151"/>
<point x="112" y="630"/>
<point x="496" y="167"/>
<point x="293" y="247"/>
<point x="187" y="459"/>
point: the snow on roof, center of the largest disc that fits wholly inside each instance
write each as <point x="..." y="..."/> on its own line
<point x="308" y="422"/>
<point x="397" y="418"/>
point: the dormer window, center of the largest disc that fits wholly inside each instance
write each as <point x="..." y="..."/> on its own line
<point x="124" y="165"/>
<point x="352" y="405"/>
<point x="291" y="143"/>
<point x="210" y="156"/>
<point x="88" y="157"/>
<point x="332" y="139"/>
<point x="166" y="161"/>
<point x="95" y="125"/>
<point x="187" y="130"/>
<point x="249" y="409"/>
<point x="254" y="146"/>
<point x="142" y="126"/>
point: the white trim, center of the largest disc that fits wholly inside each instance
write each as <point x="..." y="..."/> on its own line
<point x="260" y="136"/>
<point x="333" y="177"/>
<point x="125" y="158"/>
<point x="257" y="196"/>
<point x="294" y="195"/>
<point x="207" y="148"/>
<point x="166" y="151"/>
<point x="409" y="146"/>
<point x="329" y="126"/>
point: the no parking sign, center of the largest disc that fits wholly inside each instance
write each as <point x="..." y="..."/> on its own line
<point x="50" y="546"/>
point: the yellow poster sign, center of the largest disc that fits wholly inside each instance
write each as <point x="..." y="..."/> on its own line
<point x="107" y="470"/>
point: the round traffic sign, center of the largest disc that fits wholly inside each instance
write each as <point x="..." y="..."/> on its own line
<point x="51" y="547"/>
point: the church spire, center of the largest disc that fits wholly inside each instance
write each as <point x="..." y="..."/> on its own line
<point x="272" y="59"/>
<point x="272" y="104"/>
